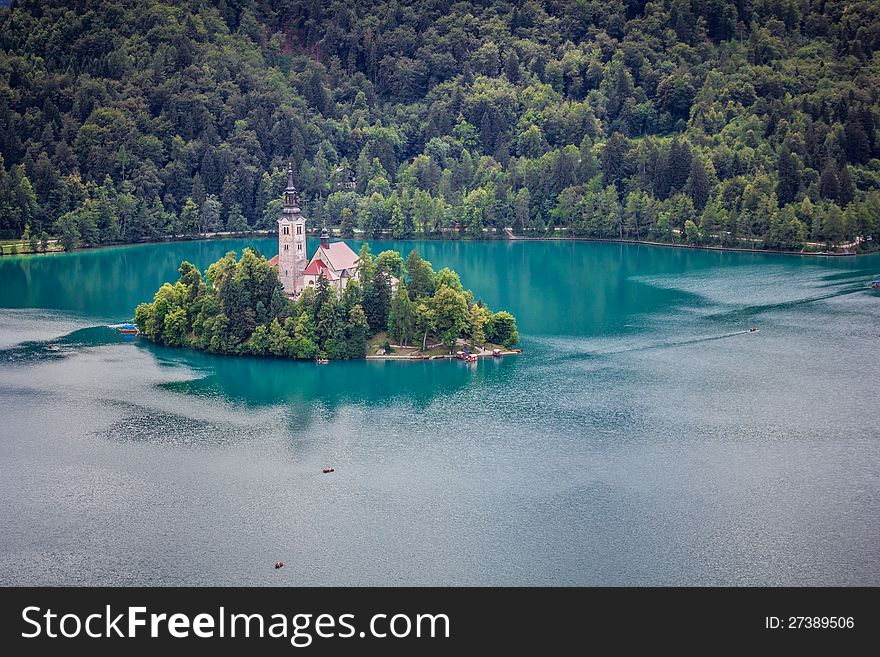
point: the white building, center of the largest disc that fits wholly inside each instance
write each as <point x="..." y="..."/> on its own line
<point x="336" y="262"/>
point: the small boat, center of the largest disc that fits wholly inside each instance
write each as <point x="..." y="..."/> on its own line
<point x="279" y="564"/>
<point x="130" y="329"/>
<point x="496" y="353"/>
<point x="328" y="470"/>
<point x="322" y="361"/>
<point x="52" y="347"/>
<point x="875" y="285"/>
<point x="470" y="358"/>
<point x="753" y="330"/>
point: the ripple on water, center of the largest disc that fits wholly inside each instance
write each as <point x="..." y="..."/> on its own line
<point x="640" y="439"/>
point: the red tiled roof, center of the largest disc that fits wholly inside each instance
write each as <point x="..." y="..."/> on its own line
<point x="319" y="267"/>
<point x="314" y="268"/>
<point x="273" y="261"/>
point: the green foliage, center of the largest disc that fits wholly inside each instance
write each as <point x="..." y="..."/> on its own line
<point x="391" y="262"/>
<point x="448" y="278"/>
<point x="501" y="329"/>
<point x="130" y="122"/>
<point x="450" y="315"/>
<point x="419" y="275"/>
<point x="174" y="330"/>
<point x="258" y="345"/>
<point x="402" y="316"/>
<point x="691" y="232"/>
<point x="357" y="330"/>
<point x="478" y="318"/>
<point x="239" y="308"/>
<point x="376" y="297"/>
<point x="67" y="228"/>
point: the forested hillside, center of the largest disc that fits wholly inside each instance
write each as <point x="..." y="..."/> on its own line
<point x="739" y="122"/>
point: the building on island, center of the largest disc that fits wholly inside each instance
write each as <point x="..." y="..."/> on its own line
<point x="336" y="262"/>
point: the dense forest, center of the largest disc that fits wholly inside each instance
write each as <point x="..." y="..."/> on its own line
<point x="731" y="122"/>
<point x="239" y="307"/>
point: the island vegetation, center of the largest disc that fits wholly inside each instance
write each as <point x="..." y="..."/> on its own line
<point x="239" y="307"/>
<point x="711" y="122"/>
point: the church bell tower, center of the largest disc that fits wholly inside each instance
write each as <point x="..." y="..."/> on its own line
<point x="291" y="240"/>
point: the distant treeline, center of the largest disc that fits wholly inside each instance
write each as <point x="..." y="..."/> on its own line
<point x="734" y="122"/>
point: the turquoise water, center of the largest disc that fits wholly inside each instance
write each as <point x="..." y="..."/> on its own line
<point x="644" y="437"/>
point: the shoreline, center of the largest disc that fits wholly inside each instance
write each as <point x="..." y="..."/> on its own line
<point x="140" y="337"/>
<point x="419" y="358"/>
<point x="263" y="233"/>
<point x="674" y="245"/>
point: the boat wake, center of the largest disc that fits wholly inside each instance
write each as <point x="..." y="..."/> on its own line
<point x="792" y="303"/>
<point x="673" y="343"/>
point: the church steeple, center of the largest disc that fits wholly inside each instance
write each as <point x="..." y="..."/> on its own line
<point x="291" y="197"/>
<point x="291" y="239"/>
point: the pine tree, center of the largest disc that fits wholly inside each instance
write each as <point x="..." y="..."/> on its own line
<point x="679" y="164"/>
<point x="401" y="316"/>
<point x="209" y="214"/>
<point x="856" y="144"/>
<point x="189" y="218"/>
<point x="198" y="190"/>
<point x="789" y="176"/>
<point x="356" y="344"/>
<point x="699" y="183"/>
<point x="511" y="66"/>
<point x="487" y="130"/>
<point x="236" y="221"/>
<point x="828" y="184"/>
<point x="832" y="224"/>
<point x="347" y="226"/>
<point x="67" y="228"/>
<point x="419" y="275"/>
<point x="377" y="300"/>
<point x="614" y="159"/>
<point x="845" y="189"/>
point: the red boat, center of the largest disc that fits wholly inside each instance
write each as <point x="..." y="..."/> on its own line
<point x="328" y="470"/>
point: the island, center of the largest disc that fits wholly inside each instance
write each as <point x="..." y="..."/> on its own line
<point x="388" y="308"/>
<point x="336" y="305"/>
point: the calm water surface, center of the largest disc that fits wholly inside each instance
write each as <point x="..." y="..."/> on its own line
<point x="642" y="438"/>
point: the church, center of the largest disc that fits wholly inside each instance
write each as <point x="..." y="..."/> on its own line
<point x="336" y="262"/>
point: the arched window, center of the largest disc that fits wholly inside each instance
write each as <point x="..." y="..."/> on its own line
<point x="299" y="230"/>
<point x="286" y="247"/>
<point x="299" y="247"/>
<point x="287" y="230"/>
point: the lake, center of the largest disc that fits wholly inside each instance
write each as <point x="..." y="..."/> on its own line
<point x="644" y="437"/>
